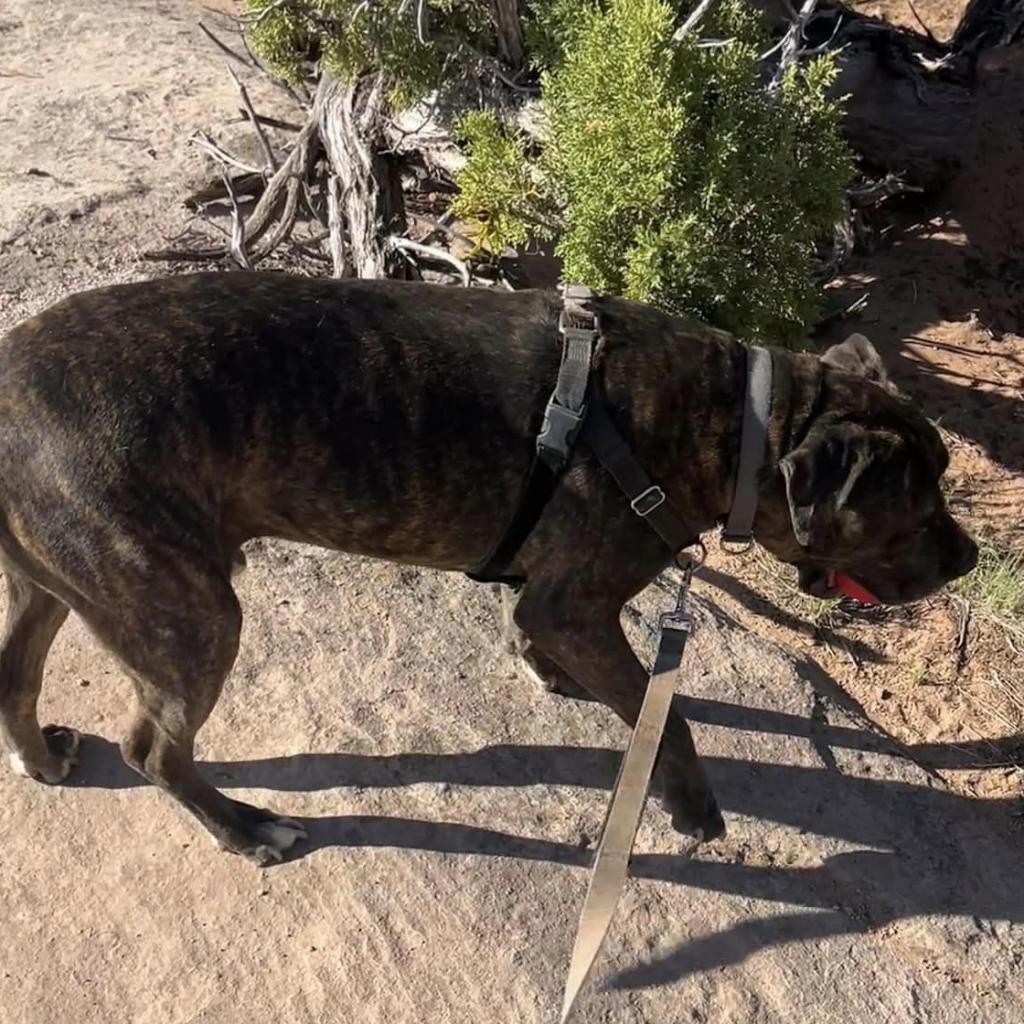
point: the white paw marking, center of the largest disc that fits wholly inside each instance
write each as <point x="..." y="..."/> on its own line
<point x="76" y="739"/>
<point x="280" y="834"/>
<point x="18" y="766"/>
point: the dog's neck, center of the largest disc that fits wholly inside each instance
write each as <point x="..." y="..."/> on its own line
<point x="681" y="386"/>
<point x="796" y="394"/>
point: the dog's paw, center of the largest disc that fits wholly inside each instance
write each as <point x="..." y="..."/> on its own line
<point x="259" y="835"/>
<point x="696" y="818"/>
<point x="276" y="837"/>
<point x="61" y="750"/>
<point x="704" y="825"/>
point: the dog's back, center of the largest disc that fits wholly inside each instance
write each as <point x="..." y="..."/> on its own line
<point x="279" y="405"/>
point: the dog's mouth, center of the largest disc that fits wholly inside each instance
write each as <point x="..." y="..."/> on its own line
<point x="826" y="583"/>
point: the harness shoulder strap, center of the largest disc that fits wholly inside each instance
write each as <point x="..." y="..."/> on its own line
<point x="568" y="415"/>
<point x="563" y="417"/>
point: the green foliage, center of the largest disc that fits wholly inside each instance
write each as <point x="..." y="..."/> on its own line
<point x="350" y="37"/>
<point x="678" y="178"/>
<point x="551" y="29"/>
<point x="684" y="183"/>
<point x="996" y="586"/>
<point x="498" y="196"/>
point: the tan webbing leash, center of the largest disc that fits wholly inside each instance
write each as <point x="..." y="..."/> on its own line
<point x="611" y="863"/>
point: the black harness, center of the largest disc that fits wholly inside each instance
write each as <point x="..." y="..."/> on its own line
<point x="575" y="410"/>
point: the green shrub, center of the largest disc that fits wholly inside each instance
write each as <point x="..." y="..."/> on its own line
<point x="684" y="183"/>
<point x="350" y="37"/>
<point x="677" y="177"/>
<point x="499" y="197"/>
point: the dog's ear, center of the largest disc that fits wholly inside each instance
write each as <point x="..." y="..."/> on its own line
<point x="858" y="356"/>
<point x="820" y="475"/>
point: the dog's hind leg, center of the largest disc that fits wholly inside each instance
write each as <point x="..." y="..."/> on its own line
<point x="33" y="619"/>
<point x="179" y="649"/>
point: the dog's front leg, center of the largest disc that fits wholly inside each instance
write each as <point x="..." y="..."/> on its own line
<point x="586" y="641"/>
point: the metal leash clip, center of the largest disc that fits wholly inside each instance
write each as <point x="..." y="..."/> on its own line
<point x="680" y="619"/>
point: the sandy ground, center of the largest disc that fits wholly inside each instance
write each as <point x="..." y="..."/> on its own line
<point x="452" y="806"/>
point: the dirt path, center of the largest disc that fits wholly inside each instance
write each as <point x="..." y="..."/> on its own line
<point x="451" y="805"/>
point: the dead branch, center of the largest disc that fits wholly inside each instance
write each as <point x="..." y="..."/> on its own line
<point x="237" y="226"/>
<point x="335" y="229"/>
<point x="441" y="255"/>
<point x="270" y="122"/>
<point x="285" y="180"/>
<point x="268" y="150"/>
<point x="222" y="46"/>
<point x="351" y="120"/>
<point x="218" y="153"/>
<point x="692" y="21"/>
<point x="791" y="43"/>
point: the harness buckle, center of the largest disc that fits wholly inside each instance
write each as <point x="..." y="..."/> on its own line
<point x="558" y="433"/>
<point x="647" y="501"/>
<point x="575" y="318"/>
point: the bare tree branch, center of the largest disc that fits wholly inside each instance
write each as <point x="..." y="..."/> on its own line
<point x="441" y="255"/>
<point x="334" y="220"/>
<point x="268" y="150"/>
<point x="692" y="21"/>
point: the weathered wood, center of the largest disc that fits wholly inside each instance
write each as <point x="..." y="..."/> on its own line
<point x="904" y="124"/>
<point x="507" y="19"/>
<point x="352" y="129"/>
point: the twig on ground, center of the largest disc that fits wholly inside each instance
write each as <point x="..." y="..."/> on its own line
<point x="407" y="245"/>
<point x="270" y="122"/>
<point x="285" y="182"/>
<point x="237" y="225"/>
<point x="218" y="153"/>
<point x="871" y="192"/>
<point x="963" y="616"/>
<point x="268" y="150"/>
<point x="918" y="19"/>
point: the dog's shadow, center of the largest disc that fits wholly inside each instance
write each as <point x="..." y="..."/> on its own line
<point x="934" y="852"/>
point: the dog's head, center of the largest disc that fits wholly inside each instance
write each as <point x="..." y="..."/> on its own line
<point x="857" y="506"/>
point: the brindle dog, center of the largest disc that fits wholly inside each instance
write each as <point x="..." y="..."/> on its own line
<point x="149" y="430"/>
